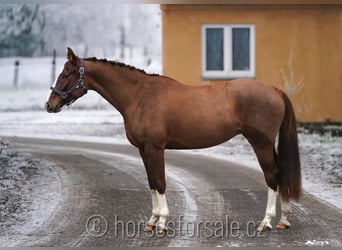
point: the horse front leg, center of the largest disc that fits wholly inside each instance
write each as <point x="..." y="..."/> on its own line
<point x="153" y="158"/>
<point x="152" y="222"/>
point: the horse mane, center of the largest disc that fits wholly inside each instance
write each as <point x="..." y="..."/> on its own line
<point x="120" y="64"/>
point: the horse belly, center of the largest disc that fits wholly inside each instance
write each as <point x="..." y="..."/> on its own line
<point x="201" y="134"/>
<point x="200" y="117"/>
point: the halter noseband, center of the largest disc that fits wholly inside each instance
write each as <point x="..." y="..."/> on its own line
<point x="77" y="85"/>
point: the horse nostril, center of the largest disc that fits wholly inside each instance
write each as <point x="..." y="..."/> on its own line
<point x="47" y="107"/>
<point x="52" y="109"/>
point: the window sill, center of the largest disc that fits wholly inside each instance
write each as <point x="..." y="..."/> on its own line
<point x="227" y="77"/>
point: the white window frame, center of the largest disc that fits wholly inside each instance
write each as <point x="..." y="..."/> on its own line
<point x="228" y="72"/>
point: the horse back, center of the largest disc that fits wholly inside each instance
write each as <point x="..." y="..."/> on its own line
<point x="220" y="111"/>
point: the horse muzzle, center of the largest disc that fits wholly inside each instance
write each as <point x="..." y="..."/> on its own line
<point x="52" y="109"/>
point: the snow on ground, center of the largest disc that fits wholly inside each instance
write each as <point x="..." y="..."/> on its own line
<point x="321" y="158"/>
<point x="27" y="185"/>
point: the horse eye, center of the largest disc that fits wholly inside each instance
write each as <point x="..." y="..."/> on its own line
<point x="67" y="72"/>
<point x="67" y="69"/>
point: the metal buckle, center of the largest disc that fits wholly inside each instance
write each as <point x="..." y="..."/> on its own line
<point x="69" y="103"/>
<point x="81" y="70"/>
<point x="64" y="95"/>
<point x="80" y="83"/>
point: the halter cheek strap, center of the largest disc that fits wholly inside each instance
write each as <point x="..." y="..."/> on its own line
<point x="79" y="84"/>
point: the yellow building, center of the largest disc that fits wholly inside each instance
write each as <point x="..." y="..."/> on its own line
<point x="295" y="47"/>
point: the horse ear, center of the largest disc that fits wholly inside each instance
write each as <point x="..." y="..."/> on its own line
<point x="71" y="56"/>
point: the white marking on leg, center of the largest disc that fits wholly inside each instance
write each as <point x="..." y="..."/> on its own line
<point x="285" y="213"/>
<point x="163" y="210"/>
<point x="155" y="208"/>
<point x="270" y="208"/>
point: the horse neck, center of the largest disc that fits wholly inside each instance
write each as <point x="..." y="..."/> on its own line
<point x="117" y="84"/>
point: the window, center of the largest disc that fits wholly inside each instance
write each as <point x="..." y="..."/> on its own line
<point x="227" y="51"/>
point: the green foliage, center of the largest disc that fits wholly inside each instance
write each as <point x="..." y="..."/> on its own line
<point x="21" y="29"/>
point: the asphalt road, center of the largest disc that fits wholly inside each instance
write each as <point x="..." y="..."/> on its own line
<point x="212" y="202"/>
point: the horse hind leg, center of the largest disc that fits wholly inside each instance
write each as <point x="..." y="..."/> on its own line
<point x="266" y="157"/>
<point x="270" y="212"/>
<point x="285" y="214"/>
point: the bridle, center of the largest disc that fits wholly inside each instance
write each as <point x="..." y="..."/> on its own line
<point x="79" y="84"/>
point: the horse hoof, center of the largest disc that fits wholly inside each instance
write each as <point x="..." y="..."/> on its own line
<point x="282" y="226"/>
<point x="161" y="231"/>
<point x="149" y="228"/>
<point x="264" y="227"/>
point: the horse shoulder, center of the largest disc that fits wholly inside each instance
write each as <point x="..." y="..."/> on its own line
<point x="144" y="119"/>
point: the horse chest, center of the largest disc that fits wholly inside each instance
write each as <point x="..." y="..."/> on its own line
<point x="138" y="133"/>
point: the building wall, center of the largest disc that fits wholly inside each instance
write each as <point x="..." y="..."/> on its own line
<point x="304" y="41"/>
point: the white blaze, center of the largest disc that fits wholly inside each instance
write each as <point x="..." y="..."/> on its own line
<point x="54" y="84"/>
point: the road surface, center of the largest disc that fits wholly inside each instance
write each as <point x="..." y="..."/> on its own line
<point x="212" y="202"/>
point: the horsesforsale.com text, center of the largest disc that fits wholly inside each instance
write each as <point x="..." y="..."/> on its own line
<point x="113" y="227"/>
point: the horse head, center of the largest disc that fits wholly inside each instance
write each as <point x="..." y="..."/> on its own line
<point x="69" y="85"/>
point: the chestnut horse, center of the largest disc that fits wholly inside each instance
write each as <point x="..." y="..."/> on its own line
<point x="160" y="113"/>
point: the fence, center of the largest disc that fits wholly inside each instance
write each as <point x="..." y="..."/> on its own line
<point x="21" y="72"/>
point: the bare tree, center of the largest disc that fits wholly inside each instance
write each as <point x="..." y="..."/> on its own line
<point x="293" y="87"/>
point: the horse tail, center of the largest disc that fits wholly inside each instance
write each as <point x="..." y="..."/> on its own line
<point x="288" y="155"/>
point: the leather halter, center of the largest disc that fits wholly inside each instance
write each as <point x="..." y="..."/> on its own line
<point x="79" y="84"/>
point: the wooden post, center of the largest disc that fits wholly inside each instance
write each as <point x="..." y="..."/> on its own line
<point x="16" y="73"/>
<point x="53" y="70"/>
<point x="130" y="51"/>
<point x="122" y="42"/>
<point x="85" y="54"/>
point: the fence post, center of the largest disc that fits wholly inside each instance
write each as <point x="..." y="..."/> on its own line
<point x="53" y="71"/>
<point x="85" y="54"/>
<point x="16" y="73"/>
<point x="122" y="42"/>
